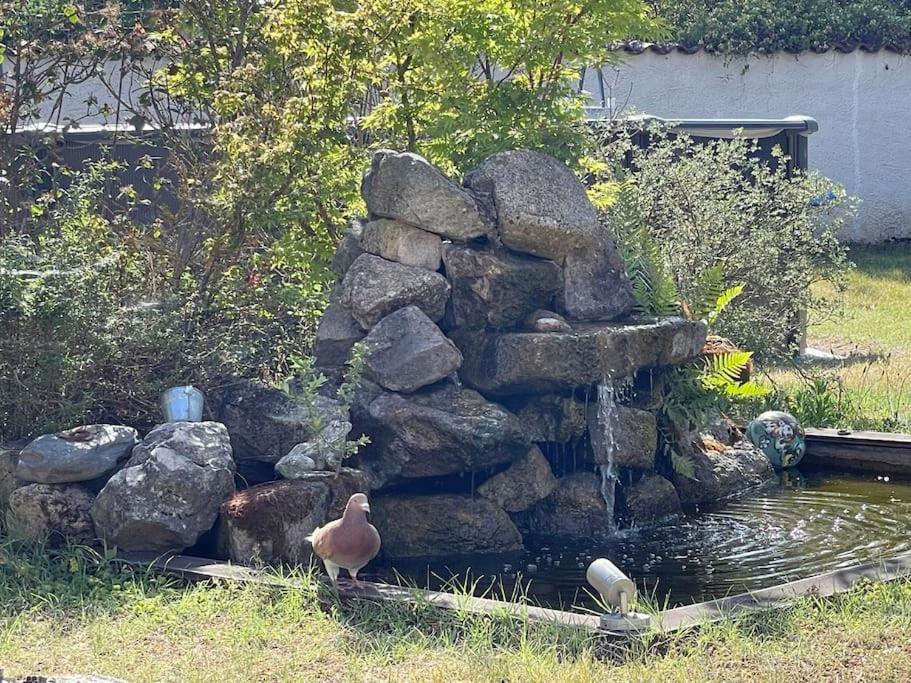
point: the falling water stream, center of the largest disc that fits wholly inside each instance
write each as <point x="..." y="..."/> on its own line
<point x="607" y="414"/>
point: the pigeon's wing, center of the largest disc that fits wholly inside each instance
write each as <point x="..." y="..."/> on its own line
<point x="322" y="540"/>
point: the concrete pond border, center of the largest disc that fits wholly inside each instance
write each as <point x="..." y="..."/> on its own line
<point x="668" y="621"/>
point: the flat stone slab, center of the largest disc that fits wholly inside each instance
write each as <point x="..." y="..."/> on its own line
<point x="79" y="454"/>
<point x="548" y="362"/>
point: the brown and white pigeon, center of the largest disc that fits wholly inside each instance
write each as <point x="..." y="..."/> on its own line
<point x="347" y="543"/>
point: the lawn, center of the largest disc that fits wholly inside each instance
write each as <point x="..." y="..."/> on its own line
<point x="873" y="330"/>
<point x="74" y="613"/>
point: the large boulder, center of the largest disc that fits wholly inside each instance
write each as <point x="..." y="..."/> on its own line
<point x="652" y="499"/>
<point x="342" y="485"/>
<point x="574" y="511"/>
<point x="266" y="423"/>
<point x="169" y="492"/>
<point x="521" y="363"/>
<point x="397" y="241"/>
<point x="374" y="287"/>
<point x="553" y="418"/>
<point x="407" y="351"/>
<point x="635" y="434"/>
<point x="526" y="482"/>
<point x="426" y="526"/>
<point x="270" y="522"/>
<point x="595" y="286"/>
<point x="723" y="474"/>
<point x="406" y="187"/>
<point x="438" y="431"/>
<point x="337" y="333"/>
<point x="543" y="209"/>
<point x="540" y="205"/>
<point x="493" y="288"/>
<point x="75" y="455"/>
<point x="51" y="513"/>
<point x="348" y="249"/>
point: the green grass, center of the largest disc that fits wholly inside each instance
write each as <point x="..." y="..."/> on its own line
<point x="75" y="612"/>
<point x="872" y="389"/>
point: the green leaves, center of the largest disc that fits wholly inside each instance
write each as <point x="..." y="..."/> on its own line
<point x="654" y="288"/>
<point x="768" y="26"/>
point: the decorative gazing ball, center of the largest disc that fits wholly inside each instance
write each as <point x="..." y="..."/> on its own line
<point x="780" y="437"/>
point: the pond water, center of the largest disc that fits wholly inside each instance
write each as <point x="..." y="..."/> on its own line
<point x="805" y="525"/>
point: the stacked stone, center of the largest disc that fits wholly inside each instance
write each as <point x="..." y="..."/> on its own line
<point x="101" y="482"/>
<point x="485" y="310"/>
<point x="473" y="298"/>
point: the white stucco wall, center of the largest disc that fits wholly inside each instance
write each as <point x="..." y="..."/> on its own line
<point x="861" y="100"/>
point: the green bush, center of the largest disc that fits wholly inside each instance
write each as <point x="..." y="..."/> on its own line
<point x="767" y="26"/>
<point x="716" y="208"/>
<point x="90" y="329"/>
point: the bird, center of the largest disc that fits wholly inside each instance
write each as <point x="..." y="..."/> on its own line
<point x="347" y="543"/>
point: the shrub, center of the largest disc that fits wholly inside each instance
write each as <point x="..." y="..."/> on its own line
<point x="717" y="207"/>
<point x="768" y="26"/>
<point x="90" y="329"/>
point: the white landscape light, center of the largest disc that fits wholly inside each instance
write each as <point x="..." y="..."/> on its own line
<point x="618" y="592"/>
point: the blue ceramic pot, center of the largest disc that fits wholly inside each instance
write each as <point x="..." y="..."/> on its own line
<point x="780" y="437"/>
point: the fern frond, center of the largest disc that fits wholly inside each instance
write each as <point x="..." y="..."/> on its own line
<point x="724" y="300"/>
<point x="726" y="367"/>
<point x="746" y="390"/>
<point x="708" y="286"/>
<point x="683" y="465"/>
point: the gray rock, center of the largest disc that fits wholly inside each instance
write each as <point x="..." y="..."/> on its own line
<point x="51" y="513"/>
<point x="721" y="475"/>
<point x="496" y="289"/>
<point x="595" y="286"/>
<point x="440" y="430"/>
<point x="406" y="187"/>
<point x="635" y="437"/>
<point x="543" y="320"/>
<point x="266" y="423"/>
<point x="425" y="526"/>
<point x="78" y="454"/>
<point x="375" y="287"/>
<point x="400" y="242"/>
<point x="575" y="511"/>
<point x="270" y="522"/>
<point x="407" y="351"/>
<point x="349" y="248"/>
<point x="651" y="499"/>
<point x="301" y="460"/>
<point x="526" y="482"/>
<point x="325" y="452"/>
<point x="553" y="418"/>
<point x="337" y="333"/>
<point x="541" y="207"/>
<point x="169" y="493"/>
<point x="342" y="486"/>
<point x="543" y="363"/>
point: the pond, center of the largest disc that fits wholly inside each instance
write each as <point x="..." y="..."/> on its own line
<point x="805" y="525"/>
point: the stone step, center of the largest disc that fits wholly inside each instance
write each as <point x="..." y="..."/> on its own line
<point x="547" y="362"/>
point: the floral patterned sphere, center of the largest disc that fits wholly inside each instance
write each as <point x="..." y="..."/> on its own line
<point x="779" y="436"/>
